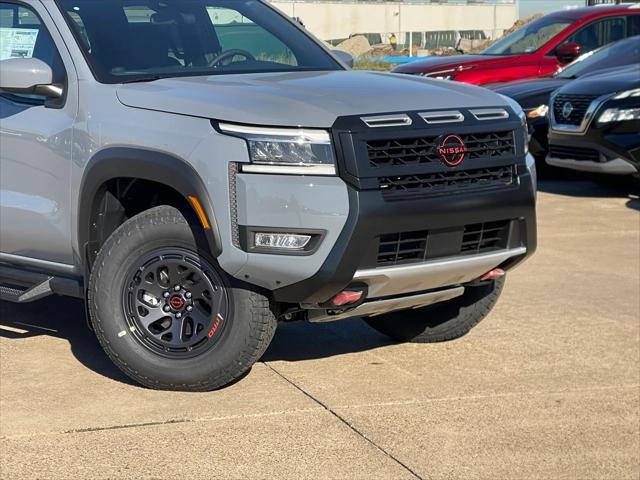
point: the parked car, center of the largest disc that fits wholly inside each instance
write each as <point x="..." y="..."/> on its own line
<point x="198" y="170"/>
<point x="595" y="123"/>
<point x="537" y="49"/>
<point x="533" y="94"/>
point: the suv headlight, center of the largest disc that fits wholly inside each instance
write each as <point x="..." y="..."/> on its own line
<point x="296" y="151"/>
<point x="635" y="92"/>
<point x="618" y="115"/>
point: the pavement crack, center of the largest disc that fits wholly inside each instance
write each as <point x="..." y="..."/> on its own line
<point x="128" y="425"/>
<point x="348" y="424"/>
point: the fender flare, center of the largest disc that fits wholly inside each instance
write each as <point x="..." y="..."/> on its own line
<point x="143" y="164"/>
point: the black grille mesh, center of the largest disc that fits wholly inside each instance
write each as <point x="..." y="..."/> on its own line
<point x="580" y="104"/>
<point x="413" y="247"/>
<point x="484" y="237"/>
<point x="415" y="151"/>
<point x="574" y="153"/>
<point x="432" y="183"/>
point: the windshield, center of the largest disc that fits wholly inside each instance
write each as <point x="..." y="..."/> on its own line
<point x="529" y="38"/>
<point x="138" y="40"/>
<point x="622" y="53"/>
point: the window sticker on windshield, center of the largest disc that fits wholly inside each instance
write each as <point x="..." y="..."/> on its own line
<point x="17" y="42"/>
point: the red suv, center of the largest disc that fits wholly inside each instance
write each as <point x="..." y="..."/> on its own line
<point x="537" y="49"/>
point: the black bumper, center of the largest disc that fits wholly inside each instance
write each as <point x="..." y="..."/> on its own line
<point x="599" y="144"/>
<point x="372" y="216"/>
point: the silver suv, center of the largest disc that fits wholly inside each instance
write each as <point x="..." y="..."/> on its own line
<point x="199" y="170"/>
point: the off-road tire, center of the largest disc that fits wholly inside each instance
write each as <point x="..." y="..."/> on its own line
<point x="443" y="321"/>
<point x="248" y="330"/>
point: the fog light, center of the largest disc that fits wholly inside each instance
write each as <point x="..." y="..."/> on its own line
<point x="285" y="241"/>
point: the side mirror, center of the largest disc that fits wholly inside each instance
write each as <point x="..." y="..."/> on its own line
<point x="29" y="76"/>
<point x="344" y="57"/>
<point x="568" y="52"/>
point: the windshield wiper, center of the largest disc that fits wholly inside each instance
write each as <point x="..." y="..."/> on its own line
<point x="148" y="78"/>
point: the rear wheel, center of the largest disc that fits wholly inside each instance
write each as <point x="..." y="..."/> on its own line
<point x="167" y="315"/>
<point x="442" y="321"/>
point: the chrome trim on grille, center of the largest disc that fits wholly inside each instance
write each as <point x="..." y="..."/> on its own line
<point x="490" y="114"/>
<point x="452" y="116"/>
<point x="586" y="120"/>
<point x="387" y="121"/>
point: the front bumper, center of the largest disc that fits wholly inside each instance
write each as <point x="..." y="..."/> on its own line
<point x="353" y="257"/>
<point x="616" y="166"/>
<point x="611" y="148"/>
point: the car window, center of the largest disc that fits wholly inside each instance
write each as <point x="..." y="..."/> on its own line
<point x="22" y="35"/>
<point x="599" y="33"/>
<point x="618" y="54"/>
<point x="236" y="31"/>
<point x="144" y="40"/>
<point x="529" y="38"/>
<point x="633" y="25"/>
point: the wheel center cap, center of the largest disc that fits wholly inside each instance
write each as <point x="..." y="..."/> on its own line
<point x="176" y="302"/>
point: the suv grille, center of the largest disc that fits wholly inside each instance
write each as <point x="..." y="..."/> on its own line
<point x="415" y="151"/>
<point x="414" y="247"/>
<point x="580" y="104"/>
<point x="574" y="153"/>
<point x="446" y="182"/>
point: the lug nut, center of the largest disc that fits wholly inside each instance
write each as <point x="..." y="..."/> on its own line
<point x="178" y="315"/>
<point x="167" y="308"/>
<point x="189" y="308"/>
<point x="177" y="288"/>
<point x="187" y="294"/>
<point x="166" y="294"/>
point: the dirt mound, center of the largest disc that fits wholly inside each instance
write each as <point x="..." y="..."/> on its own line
<point x="357" y="46"/>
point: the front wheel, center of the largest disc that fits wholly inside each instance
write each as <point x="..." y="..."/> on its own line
<point x="167" y="315"/>
<point x="442" y="321"/>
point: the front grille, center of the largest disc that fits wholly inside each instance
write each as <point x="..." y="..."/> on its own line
<point x="416" y="151"/>
<point x="574" y="153"/>
<point x="402" y="248"/>
<point x="580" y="104"/>
<point x="485" y="237"/>
<point x="447" y="182"/>
<point x="419" y="246"/>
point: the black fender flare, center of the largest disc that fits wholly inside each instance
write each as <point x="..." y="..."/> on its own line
<point x="160" y="167"/>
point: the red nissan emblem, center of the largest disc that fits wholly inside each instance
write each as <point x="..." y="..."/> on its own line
<point x="452" y="150"/>
<point x="176" y="302"/>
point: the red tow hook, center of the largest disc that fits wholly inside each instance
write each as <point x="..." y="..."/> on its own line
<point x="493" y="274"/>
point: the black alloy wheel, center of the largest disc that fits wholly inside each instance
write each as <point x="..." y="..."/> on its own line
<point x="175" y="303"/>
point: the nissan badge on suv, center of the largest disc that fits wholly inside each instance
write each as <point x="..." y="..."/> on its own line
<point x="199" y="170"/>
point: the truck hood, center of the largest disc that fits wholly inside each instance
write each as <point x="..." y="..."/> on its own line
<point x="306" y="99"/>
<point x="439" y="63"/>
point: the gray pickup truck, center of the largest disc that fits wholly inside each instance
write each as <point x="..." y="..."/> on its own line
<point x="199" y="170"/>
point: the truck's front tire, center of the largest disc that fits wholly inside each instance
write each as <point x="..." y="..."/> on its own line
<point x="166" y="314"/>
<point x="442" y="321"/>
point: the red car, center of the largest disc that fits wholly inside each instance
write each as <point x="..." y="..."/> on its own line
<point x="538" y="49"/>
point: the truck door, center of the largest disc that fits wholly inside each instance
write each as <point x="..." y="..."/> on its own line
<point x="35" y="146"/>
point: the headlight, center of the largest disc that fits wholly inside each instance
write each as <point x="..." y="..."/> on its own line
<point x="628" y="94"/>
<point x="619" y="115"/>
<point x="538" y="112"/>
<point x="286" y="151"/>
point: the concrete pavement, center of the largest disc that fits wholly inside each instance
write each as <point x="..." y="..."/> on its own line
<point x="548" y="386"/>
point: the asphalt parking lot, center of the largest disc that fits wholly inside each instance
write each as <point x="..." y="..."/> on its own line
<point x="548" y="386"/>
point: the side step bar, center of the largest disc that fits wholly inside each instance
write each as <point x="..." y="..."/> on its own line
<point x="23" y="286"/>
